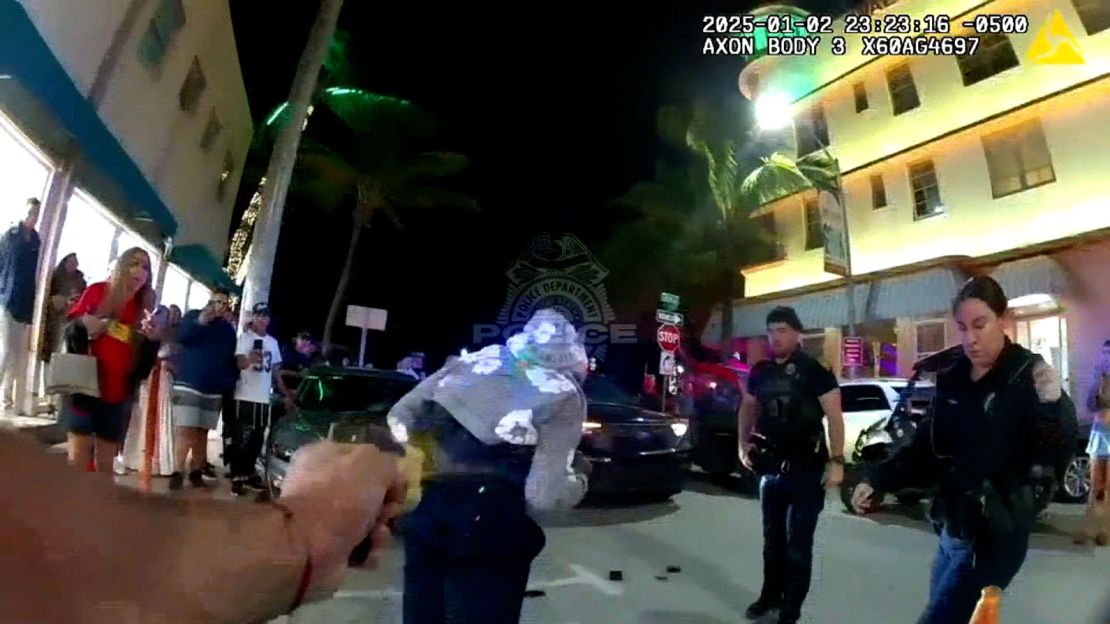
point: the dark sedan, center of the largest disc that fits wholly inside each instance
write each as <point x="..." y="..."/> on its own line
<point x="348" y="399"/>
<point x="631" y="449"/>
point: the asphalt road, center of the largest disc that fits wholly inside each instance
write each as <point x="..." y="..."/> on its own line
<point x="872" y="570"/>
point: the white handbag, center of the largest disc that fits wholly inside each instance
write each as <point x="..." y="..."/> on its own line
<point x="72" y="373"/>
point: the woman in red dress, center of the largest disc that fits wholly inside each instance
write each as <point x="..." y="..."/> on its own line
<point x="116" y="315"/>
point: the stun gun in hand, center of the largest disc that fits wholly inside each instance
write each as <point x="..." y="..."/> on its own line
<point x="364" y="433"/>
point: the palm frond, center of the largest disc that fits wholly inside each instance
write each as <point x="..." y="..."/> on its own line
<point x="672" y="123"/>
<point x="337" y="60"/>
<point x="434" y="164"/>
<point x="431" y="197"/>
<point x="778" y="176"/>
<point x="377" y="115"/>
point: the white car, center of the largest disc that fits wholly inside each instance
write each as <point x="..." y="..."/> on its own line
<point x="867" y="401"/>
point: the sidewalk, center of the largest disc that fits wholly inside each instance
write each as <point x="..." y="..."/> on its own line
<point x="216" y="489"/>
<point x="45" y="428"/>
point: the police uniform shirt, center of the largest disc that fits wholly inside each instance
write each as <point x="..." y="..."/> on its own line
<point x="804" y="380"/>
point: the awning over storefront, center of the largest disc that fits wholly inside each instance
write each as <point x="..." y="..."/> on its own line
<point x="922" y="293"/>
<point x="916" y="294"/>
<point x="1039" y="275"/>
<point x="27" y="58"/>
<point x="202" y="265"/>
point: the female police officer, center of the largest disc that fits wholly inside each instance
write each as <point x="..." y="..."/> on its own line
<point x="999" y="429"/>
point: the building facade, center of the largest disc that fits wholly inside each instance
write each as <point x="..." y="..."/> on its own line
<point x="129" y="120"/>
<point x="951" y="167"/>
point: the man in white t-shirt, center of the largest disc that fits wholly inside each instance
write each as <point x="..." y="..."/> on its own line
<point x="259" y="358"/>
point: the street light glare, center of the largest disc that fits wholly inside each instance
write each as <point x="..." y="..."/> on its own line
<point x="772" y="111"/>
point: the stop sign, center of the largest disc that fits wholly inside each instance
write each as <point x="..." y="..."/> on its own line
<point x="668" y="337"/>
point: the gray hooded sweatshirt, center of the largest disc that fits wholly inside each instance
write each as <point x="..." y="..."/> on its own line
<point x="524" y="393"/>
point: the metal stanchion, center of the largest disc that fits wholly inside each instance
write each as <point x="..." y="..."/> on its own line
<point x="150" y="440"/>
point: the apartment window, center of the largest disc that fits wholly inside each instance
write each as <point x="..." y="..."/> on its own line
<point x="1018" y="159"/>
<point x="225" y="176"/>
<point x="994" y="56"/>
<point x="859" y="91"/>
<point x="193" y="87"/>
<point x="903" y="91"/>
<point x="812" y="131"/>
<point x="878" y="191"/>
<point x="1095" y="14"/>
<point x="211" y="131"/>
<point x="168" y="19"/>
<point x="815" y="237"/>
<point x="930" y="338"/>
<point x="926" y="190"/>
<point x="765" y="225"/>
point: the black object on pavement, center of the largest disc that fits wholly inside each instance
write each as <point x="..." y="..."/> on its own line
<point x="616" y="575"/>
<point x="673" y="569"/>
<point x="535" y="593"/>
<point x="661" y="577"/>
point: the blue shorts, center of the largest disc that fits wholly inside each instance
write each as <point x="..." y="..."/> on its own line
<point x="1099" y="445"/>
<point x="86" y="415"/>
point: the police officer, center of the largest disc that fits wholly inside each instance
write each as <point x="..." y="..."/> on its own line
<point x="1000" y="428"/>
<point x="782" y="438"/>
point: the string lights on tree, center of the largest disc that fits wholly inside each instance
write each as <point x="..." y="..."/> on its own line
<point x="240" y="241"/>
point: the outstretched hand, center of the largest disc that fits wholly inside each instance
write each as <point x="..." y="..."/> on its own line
<point x="339" y="494"/>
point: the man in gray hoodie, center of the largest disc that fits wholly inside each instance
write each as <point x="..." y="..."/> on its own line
<point x="499" y="429"/>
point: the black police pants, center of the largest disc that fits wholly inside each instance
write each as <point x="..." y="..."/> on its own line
<point x="962" y="569"/>
<point x="791" y="504"/>
<point x="469" y="547"/>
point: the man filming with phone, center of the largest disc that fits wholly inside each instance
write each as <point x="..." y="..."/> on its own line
<point x="259" y="358"/>
<point x="782" y="439"/>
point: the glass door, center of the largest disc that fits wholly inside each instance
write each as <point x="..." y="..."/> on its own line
<point x="1047" y="337"/>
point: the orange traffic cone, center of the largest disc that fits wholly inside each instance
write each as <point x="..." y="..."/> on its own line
<point x="987" y="611"/>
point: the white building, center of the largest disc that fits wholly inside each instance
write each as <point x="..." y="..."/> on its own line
<point x="129" y="119"/>
<point x="952" y="166"/>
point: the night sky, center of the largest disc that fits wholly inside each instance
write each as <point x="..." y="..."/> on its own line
<point x="554" y="106"/>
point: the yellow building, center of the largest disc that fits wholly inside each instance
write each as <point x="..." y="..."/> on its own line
<point x="952" y="166"/>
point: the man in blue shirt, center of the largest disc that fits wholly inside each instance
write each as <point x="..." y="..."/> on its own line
<point x="19" y="263"/>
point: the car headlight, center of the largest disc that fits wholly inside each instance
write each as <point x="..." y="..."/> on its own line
<point x="589" y="426"/>
<point x="680" y="428"/>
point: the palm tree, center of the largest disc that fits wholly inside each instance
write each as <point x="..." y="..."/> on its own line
<point x="382" y="178"/>
<point x="283" y="158"/>
<point x="734" y="237"/>
<point x="780" y="176"/>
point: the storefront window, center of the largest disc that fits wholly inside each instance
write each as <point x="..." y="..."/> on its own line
<point x="814" y="346"/>
<point x="97" y="238"/>
<point x="128" y="240"/>
<point x="175" y="290"/>
<point x="930" y="338"/>
<point x="880" y="352"/>
<point x="198" y="296"/>
<point x="1046" y="336"/>
<point x="24" y="173"/>
<point x="88" y="234"/>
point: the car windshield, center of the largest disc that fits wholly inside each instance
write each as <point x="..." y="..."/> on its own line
<point x="603" y="390"/>
<point x="350" y="393"/>
<point x="863" y="398"/>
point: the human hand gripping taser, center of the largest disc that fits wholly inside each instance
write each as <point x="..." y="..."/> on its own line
<point x="365" y="433"/>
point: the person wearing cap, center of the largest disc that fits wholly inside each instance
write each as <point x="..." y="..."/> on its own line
<point x="782" y="439"/>
<point x="259" y="357"/>
<point x="498" y="429"/>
